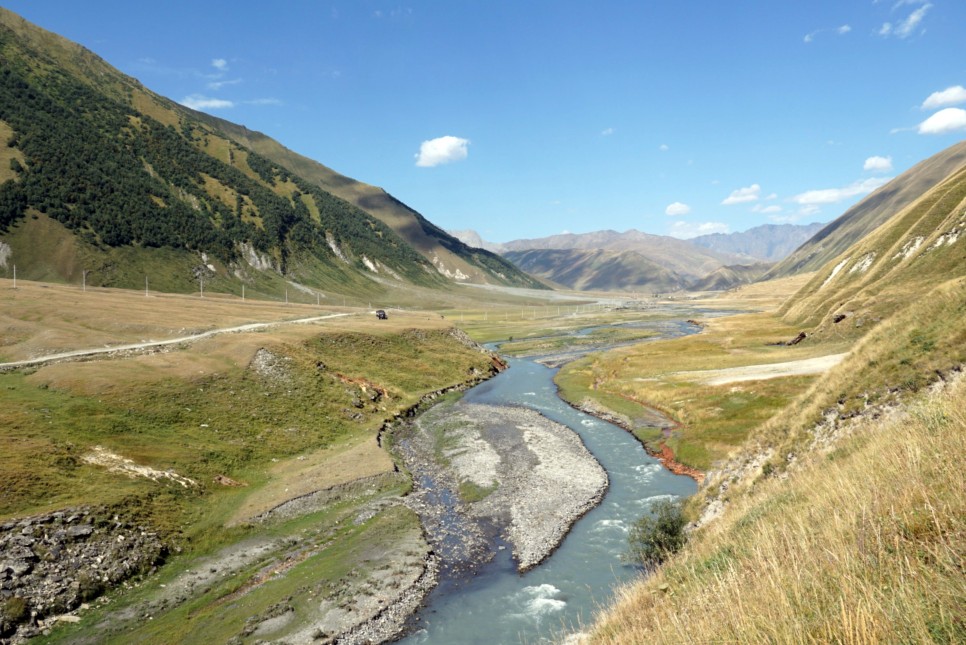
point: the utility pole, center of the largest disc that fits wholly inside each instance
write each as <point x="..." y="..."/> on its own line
<point x="15" y="276"/>
<point x="201" y="281"/>
<point x="243" y="292"/>
<point x="84" y="273"/>
<point x="145" y="286"/>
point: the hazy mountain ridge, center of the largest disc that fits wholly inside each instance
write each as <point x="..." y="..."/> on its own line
<point x="597" y="269"/>
<point x="768" y="242"/>
<point x="120" y="172"/>
<point x="728" y="277"/>
<point x="634" y="260"/>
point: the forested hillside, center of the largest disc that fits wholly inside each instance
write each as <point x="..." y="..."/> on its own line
<point x="120" y="168"/>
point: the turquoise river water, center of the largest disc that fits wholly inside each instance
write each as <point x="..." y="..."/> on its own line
<point x="500" y="606"/>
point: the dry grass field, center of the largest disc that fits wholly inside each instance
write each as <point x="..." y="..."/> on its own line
<point x="861" y="544"/>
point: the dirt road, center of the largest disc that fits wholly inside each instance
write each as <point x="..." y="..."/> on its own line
<point x="80" y="353"/>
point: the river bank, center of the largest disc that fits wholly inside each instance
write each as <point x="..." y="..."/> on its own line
<point x="665" y="455"/>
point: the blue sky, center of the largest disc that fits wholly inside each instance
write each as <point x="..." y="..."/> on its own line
<point x="527" y="118"/>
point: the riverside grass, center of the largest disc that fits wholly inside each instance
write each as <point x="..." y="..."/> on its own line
<point x="202" y="409"/>
<point x="861" y="544"/>
<point x="709" y="421"/>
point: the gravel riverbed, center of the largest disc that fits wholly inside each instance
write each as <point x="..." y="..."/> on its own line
<point x="485" y="471"/>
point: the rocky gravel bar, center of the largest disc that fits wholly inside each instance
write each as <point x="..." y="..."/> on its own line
<point x="478" y="468"/>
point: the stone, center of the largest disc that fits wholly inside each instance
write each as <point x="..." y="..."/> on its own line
<point x="80" y="531"/>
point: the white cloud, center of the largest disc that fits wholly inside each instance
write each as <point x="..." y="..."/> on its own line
<point x="834" y="195"/>
<point x="217" y="85"/>
<point x="220" y="64"/>
<point x="944" y="122"/>
<point x="906" y="27"/>
<point x="441" y="150"/>
<point x="791" y="218"/>
<point x="878" y="164"/>
<point x="841" y="31"/>
<point x="268" y="101"/>
<point x="663" y="147"/>
<point x="686" y="230"/>
<point x="199" y="102"/>
<point x="743" y="195"/>
<point x="608" y="131"/>
<point x="677" y="209"/>
<point x="767" y="210"/>
<point x="949" y="96"/>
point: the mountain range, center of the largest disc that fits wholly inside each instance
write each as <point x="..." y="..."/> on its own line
<point x="103" y="180"/>
<point x="633" y="260"/>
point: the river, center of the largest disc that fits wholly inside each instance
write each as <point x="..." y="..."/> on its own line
<point x="500" y="606"/>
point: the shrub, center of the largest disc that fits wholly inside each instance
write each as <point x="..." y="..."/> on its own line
<point x="657" y="535"/>
<point x="14" y="610"/>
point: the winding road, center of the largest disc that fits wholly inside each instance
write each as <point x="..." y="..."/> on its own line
<point x="149" y="344"/>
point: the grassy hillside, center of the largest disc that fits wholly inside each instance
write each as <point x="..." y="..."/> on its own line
<point x="859" y="544"/>
<point x="871" y="212"/>
<point x="127" y="172"/>
<point x="892" y="266"/>
<point x="836" y="514"/>
<point x="830" y="526"/>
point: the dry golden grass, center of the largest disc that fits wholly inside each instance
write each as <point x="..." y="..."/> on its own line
<point x="864" y="544"/>
<point x="40" y="318"/>
<point x="767" y="295"/>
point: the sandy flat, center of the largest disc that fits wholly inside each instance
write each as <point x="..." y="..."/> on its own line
<point x="802" y="367"/>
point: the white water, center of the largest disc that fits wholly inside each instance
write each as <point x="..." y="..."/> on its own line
<point x="499" y="605"/>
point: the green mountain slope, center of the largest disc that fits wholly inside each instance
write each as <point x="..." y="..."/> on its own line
<point x="871" y="212"/>
<point x="112" y="172"/>
<point x="449" y="255"/>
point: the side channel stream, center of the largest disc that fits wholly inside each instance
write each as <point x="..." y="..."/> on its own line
<point x="499" y="605"/>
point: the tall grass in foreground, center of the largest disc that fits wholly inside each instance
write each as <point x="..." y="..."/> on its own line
<point x="864" y="544"/>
